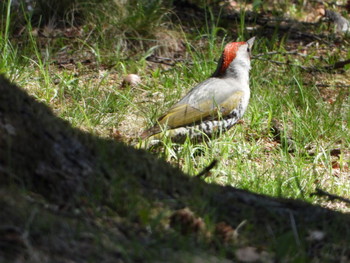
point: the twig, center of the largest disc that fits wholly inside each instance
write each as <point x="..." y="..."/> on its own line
<point x="331" y="197"/>
<point x="296" y="33"/>
<point x="207" y="169"/>
<point x="334" y="3"/>
<point x="261" y="20"/>
<point x="292" y="52"/>
<point x="335" y="86"/>
<point x="276" y="52"/>
<point x="163" y="60"/>
<point x="285" y="63"/>
<point x="337" y="65"/>
<point x="309" y="35"/>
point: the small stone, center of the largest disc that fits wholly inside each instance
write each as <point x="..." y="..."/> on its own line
<point x="132" y="80"/>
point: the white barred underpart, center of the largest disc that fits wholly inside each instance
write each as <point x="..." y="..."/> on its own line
<point x="200" y="131"/>
<point x="206" y="128"/>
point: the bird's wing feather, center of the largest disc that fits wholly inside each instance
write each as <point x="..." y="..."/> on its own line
<point x="185" y="113"/>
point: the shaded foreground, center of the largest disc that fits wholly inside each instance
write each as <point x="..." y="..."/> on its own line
<point x="68" y="196"/>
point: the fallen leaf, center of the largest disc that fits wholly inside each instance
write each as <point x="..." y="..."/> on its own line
<point x="186" y="221"/>
<point x="224" y="232"/>
<point x="316" y="235"/>
<point x="252" y="254"/>
<point x="335" y="152"/>
<point x="116" y="135"/>
<point x="132" y="80"/>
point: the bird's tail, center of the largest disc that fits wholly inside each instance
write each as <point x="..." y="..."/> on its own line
<point x="151" y="131"/>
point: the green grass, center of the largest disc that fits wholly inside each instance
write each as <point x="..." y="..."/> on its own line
<point x="248" y="156"/>
<point x="91" y="98"/>
<point x="247" y="159"/>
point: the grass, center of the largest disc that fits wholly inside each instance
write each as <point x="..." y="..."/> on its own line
<point x="249" y="157"/>
<point x="90" y="97"/>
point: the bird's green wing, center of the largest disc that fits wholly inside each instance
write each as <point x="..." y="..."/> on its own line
<point x="186" y="114"/>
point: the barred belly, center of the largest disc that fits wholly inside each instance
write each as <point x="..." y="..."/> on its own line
<point x="206" y="128"/>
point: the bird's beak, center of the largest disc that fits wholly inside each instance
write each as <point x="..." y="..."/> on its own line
<point x="250" y="42"/>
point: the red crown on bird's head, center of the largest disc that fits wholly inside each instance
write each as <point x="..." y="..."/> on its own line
<point x="229" y="54"/>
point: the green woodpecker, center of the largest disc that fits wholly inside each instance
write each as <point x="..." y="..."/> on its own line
<point x="212" y="106"/>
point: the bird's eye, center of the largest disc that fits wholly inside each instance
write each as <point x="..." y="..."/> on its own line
<point x="248" y="49"/>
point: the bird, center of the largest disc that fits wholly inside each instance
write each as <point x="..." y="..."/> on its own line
<point x="214" y="105"/>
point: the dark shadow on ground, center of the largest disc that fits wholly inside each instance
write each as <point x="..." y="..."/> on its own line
<point x="66" y="195"/>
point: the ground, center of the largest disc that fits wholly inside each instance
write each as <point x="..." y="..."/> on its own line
<point x="74" y="184"/>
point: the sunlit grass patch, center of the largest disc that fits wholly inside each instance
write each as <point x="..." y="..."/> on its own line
<point x="80" y="78"/>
